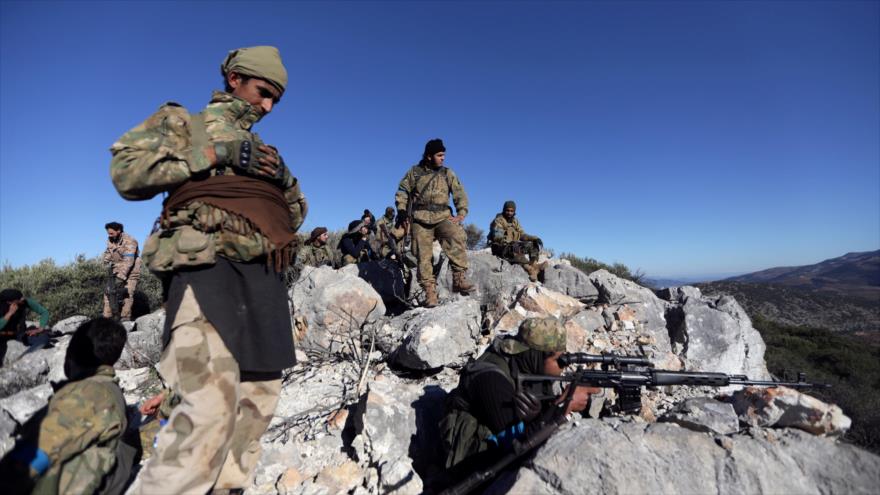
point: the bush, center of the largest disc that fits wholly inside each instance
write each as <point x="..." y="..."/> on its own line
<point x="475" y="239"/>
<point x="590" y="265"/>
<point x="76" y="288"/>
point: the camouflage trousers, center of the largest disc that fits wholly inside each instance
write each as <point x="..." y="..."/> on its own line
<point x="212" y="438"/>
<point x="515" y="252"/>
<point x="130" y="286"/>
<point x="452" y="239"/>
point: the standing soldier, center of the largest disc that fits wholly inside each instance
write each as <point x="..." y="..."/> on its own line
<point x="125" y="265"/>
<point x="508" y="240"/>
<point x="227" y="234"/>
<point x="424" y="191"/>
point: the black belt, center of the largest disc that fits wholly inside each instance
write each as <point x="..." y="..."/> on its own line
<point x="432" y="207"/>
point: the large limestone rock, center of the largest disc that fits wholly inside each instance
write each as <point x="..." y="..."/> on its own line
<point x="560" y="276"/>
<point x="600" y="457"/>
<point x="496" y="280"/>
<point x="29" y="370"/>
<point x="535" y="300"/>
<point x="144" y="345"/>
<point x="69" y="325"/>
<point x="24" y="404"/>
<point x="786" y="407"/>
<point x="716" y="335"/>
<point x="441" y="336"/>
<point x="704" y="414"/>
<point x="337" y="304"/>
<point x="648" y="309"/>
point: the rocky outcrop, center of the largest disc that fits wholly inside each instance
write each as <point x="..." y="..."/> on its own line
<point x="144" y="344"/>
<point x="785" y="407"/>
<point x="441" y="336"/>
<point x="704" y="414"/>
<point x="594" y="456"/>
<point x="336" y="304"/>
<point x="560" y="276"/>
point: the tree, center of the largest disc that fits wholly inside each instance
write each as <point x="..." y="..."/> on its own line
<point x="475" y="239"/>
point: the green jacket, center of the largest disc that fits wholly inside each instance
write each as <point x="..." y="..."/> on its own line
<point x="157" y="156"/>
<point x="80" y="433"/>
<point x="434" y="187"/>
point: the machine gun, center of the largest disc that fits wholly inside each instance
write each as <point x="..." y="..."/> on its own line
<point x="627" y="375"/>
<point x="111" y="291"/>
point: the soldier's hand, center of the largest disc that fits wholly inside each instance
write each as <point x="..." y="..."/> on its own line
<point x="402" y="217"/>
<point x="456" y="219"/>
<point x="580" y="399"/>
<point x="151" y="405"/>
<point x="269" y="163"/>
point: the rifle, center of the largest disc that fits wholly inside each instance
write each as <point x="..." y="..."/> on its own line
<point x="110" y="292"/>
<point x="627" y="375"/>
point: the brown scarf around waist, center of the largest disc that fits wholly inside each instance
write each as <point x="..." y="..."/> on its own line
<point x="260" y="203"/>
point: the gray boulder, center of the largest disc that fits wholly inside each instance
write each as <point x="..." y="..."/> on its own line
<point x="29" y="370"/>
<point x="69" y="325"/>
<point x="560" y="276"/>
<point x="7" y="428"/>
<point x="144" y="344"/>
<point x="786" y="407"/>
<point x="649" y="311"/>
<point x="337" y="304"/>
<point x="24" y="404"/>
<point x="497" y="281"/>
<point x="443" y="336"/>
<point x="594" y="456"/>
<point x="704" y="414"/>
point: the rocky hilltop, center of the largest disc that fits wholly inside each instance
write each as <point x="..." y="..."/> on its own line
<point x="359" y="412"/>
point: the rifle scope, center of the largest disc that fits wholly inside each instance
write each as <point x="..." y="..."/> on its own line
<point x="613" y="359"/>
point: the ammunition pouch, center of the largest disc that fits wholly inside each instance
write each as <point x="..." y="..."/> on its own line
<point x="432" y="208"/>
<point x="184" y="246"/>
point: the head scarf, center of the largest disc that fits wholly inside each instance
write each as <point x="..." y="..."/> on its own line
<point x="263" y="62"/>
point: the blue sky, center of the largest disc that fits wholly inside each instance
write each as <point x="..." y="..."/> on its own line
<point x="679" y="138"/>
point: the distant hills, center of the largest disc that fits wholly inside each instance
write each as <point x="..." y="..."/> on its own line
<point x="840" y="294"/>
<point x="853" y="274"/>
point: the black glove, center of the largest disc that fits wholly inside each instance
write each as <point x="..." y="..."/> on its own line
<point x="244" y="156"/>
<point x="401" y="217"/>
<point x="527" y="406"/>
<point x="539" y="242"/>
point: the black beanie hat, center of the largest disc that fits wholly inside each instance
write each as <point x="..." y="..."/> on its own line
<point x="509" y="204"/>
<point x="316" y="232"/>
<point x="433" y="147"/>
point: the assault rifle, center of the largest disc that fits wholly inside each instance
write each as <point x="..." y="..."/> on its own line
<point x="627" y="375"/>
<point x="111" y="292"/>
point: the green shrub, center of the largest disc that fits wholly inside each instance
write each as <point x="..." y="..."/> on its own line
<point x="475" y="237"/>
<point x="590" y="265"/>
<point x="76" y="288"/>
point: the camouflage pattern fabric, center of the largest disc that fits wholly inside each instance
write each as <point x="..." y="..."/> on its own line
<point x="435" y="186"/>
<point x="453" y="241"/>
<point x="542" y="334"/>
<point x="313" y="255"/>
<point x="122" y="256"/>
<point x="157" y="156"/>
<point x="214" y="433"/>
<point x="503" y="234"/>
<point x="80" y="433"/>
<point x="380" y="240"/>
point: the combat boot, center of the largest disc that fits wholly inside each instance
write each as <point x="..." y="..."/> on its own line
<point x="533" y="269"/>
<point x="461" y="284"/>
<point x="430" y="295"/>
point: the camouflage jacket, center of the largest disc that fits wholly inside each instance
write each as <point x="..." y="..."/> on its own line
<point x="312" y="255"/>
<point x="157" y="156"/>
<point x="122" y="256"/>
<point x="380" y="234"/>
<point x="502" y="231"/>
<point x="435" y="186"/>
<point x="80" y="433"/>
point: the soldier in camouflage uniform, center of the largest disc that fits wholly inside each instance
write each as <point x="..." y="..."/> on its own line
<point x="508" y="240"/>
<point x="75" y="446"/>
<point x="427" y="186"/>
<point x="486" y="413"/>
<point x="122" y="256"/>
<point x="226" y="235"/>
<point x="384" y="226"/>
<point x="315" y="252"/>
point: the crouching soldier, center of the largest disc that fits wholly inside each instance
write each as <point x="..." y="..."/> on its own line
<point x="77" y="446"/>
<point x="509" y="241"/>
<point x="486" y="414"/>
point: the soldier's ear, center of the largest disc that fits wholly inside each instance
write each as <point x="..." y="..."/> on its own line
<point x="233" y="79"/>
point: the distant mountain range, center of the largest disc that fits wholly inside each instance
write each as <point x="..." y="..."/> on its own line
<point x="853" y="274"/>
<point x="840" y="294"/>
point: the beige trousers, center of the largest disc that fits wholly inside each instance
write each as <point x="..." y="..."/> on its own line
<point x="212" y="439"/>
